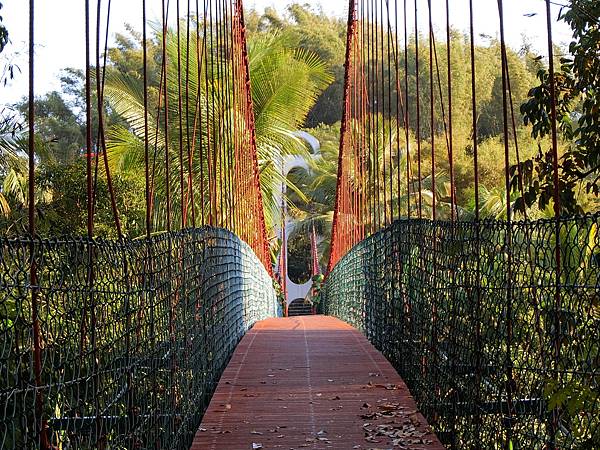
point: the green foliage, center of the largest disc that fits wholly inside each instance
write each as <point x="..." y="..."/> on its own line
<point x="577" y="84"/>
<point x="60" y="117"/>
<point x="66" y="212"/>
<point x="58" y="126"/>
<point x="575" y="400"/>
<point x="281" y="302"/>
<point x="313" y="31"/>
<point x="61" y="202"/>
<point x="14" y="144"/>
<point x="319" y="188"/>
<point x="286" y="82"/>
<point x="491" y="121"/>
<point x="299" y="258"/>
<point x="318" y="282"/>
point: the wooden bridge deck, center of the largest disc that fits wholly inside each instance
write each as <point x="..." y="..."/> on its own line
<point x="311" y="382"/>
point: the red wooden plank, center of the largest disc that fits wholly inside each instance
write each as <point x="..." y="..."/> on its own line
<point x="311" y="382"/>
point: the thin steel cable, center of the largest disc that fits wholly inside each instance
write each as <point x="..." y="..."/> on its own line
<point x="474" y="110"/>
<point x="450" y="123"/>
<point x="146" y="121"/>
<point x="200" y="55"/>
<point x="39" y="426"/>
<point x="100" y="84"/>
<point x="509" y="388"/>
<point x="190" y="140"/>
<point x="406" y="114"/>
<point x="165" y="15"/>
<point x="477" y="312"/>
<point x="418" y="103"/>
<point x="88" y="120"/>
<point x="558" y="303"/>
<point x="182" y="190"/>
<point x="432" y="113"/>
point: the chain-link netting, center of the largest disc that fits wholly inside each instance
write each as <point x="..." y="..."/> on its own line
<point x="130" y="337"/>
<point x="500" y="349"/>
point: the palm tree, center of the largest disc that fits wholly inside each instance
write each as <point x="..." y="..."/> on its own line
<point x="285" y="84"/>
<point x="12" y="152"/>
<point x="14" y="187"/>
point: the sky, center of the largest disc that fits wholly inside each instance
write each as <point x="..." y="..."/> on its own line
<point x="60" y="29"/>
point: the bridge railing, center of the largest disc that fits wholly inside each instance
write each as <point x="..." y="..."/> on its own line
<point x="499" y="349"/>
<point x="121" y="344"/>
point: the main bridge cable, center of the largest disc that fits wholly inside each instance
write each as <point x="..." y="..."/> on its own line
<point x="555" y="425"/>
<point x="399" y="105"/>
<point x="432" y="112"/>
<point x="478" y="297"/>
<point x="40" y="423"/>
<point x="190" y="195"/>
<point x="407" y="113"/>
<point x="510" y="384"/>
<point x="182" y="189"/>
<point x="450" y="129"/>
<point x="228" y="56"/>
<point x="418" y="102"/>
<point x="165" y="14"/>
<point x="390" y="142"/>
<point x="375" y="122"/>
<point x="200" y="55"/>
<point x="434" y="265"/>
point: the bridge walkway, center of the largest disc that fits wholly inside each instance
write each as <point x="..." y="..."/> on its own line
<point x="311" y="382"/>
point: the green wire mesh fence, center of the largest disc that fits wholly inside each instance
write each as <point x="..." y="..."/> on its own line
<point x="133" y="336"/>
<point x="500" y="349"/>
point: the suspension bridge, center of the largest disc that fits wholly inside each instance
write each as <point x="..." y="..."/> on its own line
<point x="438" y="330"/>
